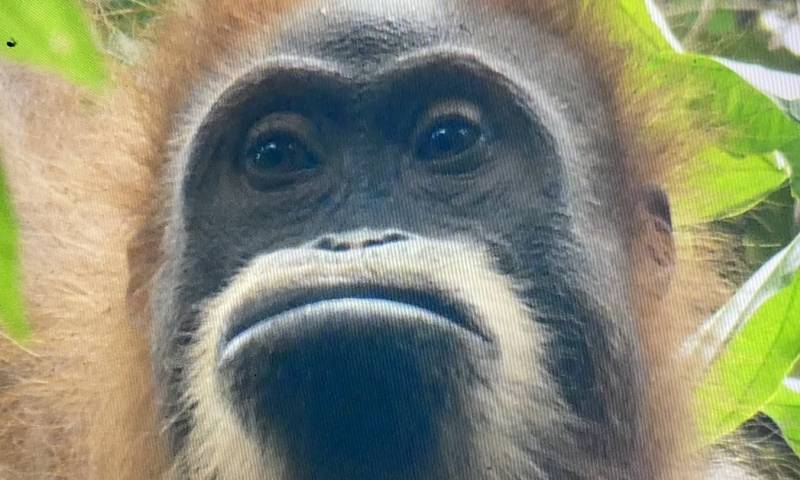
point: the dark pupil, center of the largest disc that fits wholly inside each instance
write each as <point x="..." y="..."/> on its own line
<point x="284" y="153"/>
<point x="448" y="137"/>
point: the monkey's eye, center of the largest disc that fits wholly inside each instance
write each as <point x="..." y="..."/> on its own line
<point x="448" y="138"/>
<point x="447" y="131"/>
<point x="279" y="152"/>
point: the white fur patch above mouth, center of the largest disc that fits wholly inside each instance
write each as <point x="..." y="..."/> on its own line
<point x="332" y="313"/>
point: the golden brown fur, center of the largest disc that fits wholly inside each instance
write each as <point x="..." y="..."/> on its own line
<point x="85" y="177"/>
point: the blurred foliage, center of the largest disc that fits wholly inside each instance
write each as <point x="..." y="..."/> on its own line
<point x="761" y="232"/>
<point x="12" y="315"/>
<point x="762" y="321"/>
<point x="126" y="16"/>
<point x="120" y="24"/>
<point x="53" y="34"/>
<point x="736" y="35"/>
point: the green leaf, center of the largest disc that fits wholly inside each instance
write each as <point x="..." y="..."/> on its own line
<point x="723" y="21"/>
<point x="630" y="23"/>
<point x="12" y="318"/>
<point x="744" y="131"/>
<point x="784" y="409"/>
<point x="51" y="33"/>
<point x="754" y="340"/>
<point x="753" y="147"/>
<point x="719" y="185"/>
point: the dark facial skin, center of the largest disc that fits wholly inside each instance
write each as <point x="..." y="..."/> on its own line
<point x="413" y="120"/>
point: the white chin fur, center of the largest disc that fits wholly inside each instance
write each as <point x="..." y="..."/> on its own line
<point x="218" y="443"/>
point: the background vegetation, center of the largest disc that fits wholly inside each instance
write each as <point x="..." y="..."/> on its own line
<point x="757" y="370"/>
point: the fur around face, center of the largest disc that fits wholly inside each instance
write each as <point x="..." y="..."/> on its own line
<point x="87" y="177"/>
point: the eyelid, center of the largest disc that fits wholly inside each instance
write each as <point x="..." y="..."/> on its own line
<point x="453" y="108"/>
<point x="446" y="109"/>
<point x="282" y="122"/>
<point x="287" y="123"/>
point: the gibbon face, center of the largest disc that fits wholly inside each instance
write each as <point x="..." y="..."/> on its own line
<point x="398" y="247"/>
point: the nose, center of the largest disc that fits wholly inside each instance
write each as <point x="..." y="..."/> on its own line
<point x="360" y="239"/>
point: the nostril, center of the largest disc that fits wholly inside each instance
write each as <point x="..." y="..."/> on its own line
<point x="394" y="237"/>
<point x="388" y="238"/>
<point x="356" y="240"/>
<point x="324" y="243"/>
<point x="340" y="247"/>
<point x="371" y="243"/>
<point x="328" y="243"/>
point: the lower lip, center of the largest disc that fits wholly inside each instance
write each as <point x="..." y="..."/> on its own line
<point x="330" y="313"/>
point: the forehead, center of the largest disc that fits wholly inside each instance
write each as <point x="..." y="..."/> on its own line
<point x="362" y="34"/>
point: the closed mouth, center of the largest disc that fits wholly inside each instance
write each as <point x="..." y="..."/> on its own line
<point x="443" y="307"/>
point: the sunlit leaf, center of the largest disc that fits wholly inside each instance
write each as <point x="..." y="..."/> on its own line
<point x="784" y="409"/>
<point x="719" y="185"/>
<point x="751" y="145"/>
<point x="753" y="341"/>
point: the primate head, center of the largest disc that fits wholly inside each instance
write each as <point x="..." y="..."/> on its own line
<point x="361" y="240"/>
<point x="400" y="244"/>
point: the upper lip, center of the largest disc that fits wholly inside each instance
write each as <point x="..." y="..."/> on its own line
<point x="443" y="305"/>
